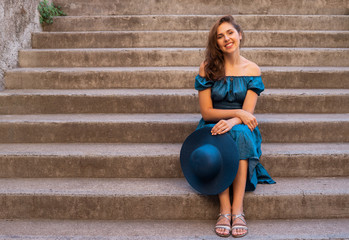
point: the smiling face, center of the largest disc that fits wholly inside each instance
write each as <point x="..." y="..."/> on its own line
<point x="228" y="38"/>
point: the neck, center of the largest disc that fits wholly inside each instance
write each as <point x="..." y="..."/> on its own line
<point x="233" y="58"/>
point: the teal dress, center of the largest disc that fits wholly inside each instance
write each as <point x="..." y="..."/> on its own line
<point x="230" y="94"/>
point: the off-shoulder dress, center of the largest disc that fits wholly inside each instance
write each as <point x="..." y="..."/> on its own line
<point x="230" y="93"/>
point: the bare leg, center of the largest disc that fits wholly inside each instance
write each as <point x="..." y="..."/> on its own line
<point x="239" y="185"/>
<point x="225" y="208"/>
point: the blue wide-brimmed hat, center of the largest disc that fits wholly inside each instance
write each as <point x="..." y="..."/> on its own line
<point x="209" y="162"/>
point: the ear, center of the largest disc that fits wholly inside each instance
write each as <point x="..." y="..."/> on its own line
<point x="240" y="36"/>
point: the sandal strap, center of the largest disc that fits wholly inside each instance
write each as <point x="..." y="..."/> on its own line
<point x="222" y="225"/>
<point x="237" y="226"/>
<point x="225" y="215"/>
<point x="239" y="216"/>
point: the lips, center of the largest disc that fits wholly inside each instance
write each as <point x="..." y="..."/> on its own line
<point x="228" y="45"/>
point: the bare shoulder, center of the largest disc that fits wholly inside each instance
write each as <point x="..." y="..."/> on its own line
<point x="202" y="69"/>
<point x="252" y="69"/>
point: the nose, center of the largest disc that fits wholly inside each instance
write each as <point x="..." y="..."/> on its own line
<point x="226" y="38"/>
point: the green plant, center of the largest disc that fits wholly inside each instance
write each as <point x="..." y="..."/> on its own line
<point x="47" y="12"/>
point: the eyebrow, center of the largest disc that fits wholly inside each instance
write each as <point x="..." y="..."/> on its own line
<point x="230" y="29"/>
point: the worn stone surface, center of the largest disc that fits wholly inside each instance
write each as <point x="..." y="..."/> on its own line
<point x="158" y="160"/>
<point x="196" y="22"/>
<point x="168" y="199"/>
<point x="204" y="7"/>
<point x="141" y="39"/>
<point x="173" y="101"/>
<point x="164" y="128"/>
<point x="333" y="229"/>
<point x="162" y="57"/>
<point x="307" y="229"/>
<point x="166" y="77"/>
<point x="18" y="20"/>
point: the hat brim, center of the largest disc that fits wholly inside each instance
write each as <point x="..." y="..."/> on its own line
<point x="230" y="156"/>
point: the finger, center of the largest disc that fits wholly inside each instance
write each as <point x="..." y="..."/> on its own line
<point x="217" y="124"/>
<point x="225" y="129"/>
<point x="216" y="128"/>
<point x="253" y="126"/>
<point x="220" y="130"/>
<point x="250" y="126"/>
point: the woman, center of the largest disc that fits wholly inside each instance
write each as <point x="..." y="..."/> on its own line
<point x="228" y="86"/>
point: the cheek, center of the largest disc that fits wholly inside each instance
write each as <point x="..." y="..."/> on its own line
<point x="236" y="37"/>
<point x="220" y="43"/>
<point x="237" y="40"/>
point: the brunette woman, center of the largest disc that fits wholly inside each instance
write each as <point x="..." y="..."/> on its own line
<point x="229" y="86"/>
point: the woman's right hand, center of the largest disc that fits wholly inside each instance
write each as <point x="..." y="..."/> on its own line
<point x="248" y="119"/>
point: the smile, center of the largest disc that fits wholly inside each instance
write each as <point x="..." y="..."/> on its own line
<point x="229" y="45"/>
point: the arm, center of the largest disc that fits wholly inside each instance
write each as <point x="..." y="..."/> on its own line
<point x="211" y="114"/>
<point x="248" y="107"/>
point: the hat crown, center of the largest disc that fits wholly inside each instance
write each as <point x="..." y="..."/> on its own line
<point x="206" y="162"/>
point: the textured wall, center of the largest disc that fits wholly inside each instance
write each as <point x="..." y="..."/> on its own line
<point x="18" y="18"/>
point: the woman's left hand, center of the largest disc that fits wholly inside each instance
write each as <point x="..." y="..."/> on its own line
<point x="222" y="127"/>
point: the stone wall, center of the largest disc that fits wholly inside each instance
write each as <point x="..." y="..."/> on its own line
<point x="17" y="20"/>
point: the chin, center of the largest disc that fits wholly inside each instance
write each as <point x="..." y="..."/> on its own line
<point x="229" y="51"/>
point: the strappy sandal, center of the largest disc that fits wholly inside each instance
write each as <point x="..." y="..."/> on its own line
<point x="224" y="226"/>
<point x="239" y="225"/>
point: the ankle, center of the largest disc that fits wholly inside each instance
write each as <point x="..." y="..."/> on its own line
<point x="225" y="211"/>
<point x="237" y="211"/>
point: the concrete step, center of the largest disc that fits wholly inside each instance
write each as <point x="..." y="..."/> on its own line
<point x="196" y="22"/>
<point x="334" y="39"/>
<point x="164" y="57"/>
<point x="166" y="199"/>
<point x="162" y="128"/>
<point x="172" y="101"/>
<point x="110" y="7"/>
<point x="159" y="160"/>
<point x="307" y="229"/>
<point x="165" y="77"/>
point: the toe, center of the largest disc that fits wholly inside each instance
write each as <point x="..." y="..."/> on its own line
<point x="222" y="231"/>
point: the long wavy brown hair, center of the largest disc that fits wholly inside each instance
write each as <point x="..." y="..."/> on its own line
<point x="214" y="59"/>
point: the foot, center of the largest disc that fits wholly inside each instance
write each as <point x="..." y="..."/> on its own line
<point x="239" y="228"/>
<point x="223" y="225"/>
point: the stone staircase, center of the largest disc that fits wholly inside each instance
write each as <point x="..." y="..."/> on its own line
<point x="93" y="119"/>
